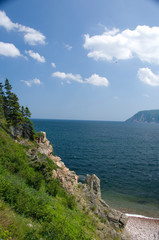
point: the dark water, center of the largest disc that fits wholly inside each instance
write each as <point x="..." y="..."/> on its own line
<point x="124" y="156"/>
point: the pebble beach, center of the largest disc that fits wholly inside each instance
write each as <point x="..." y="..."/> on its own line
<point x="141" y="228"/>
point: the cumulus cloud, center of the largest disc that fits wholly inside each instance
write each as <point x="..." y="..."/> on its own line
<point x="34" y="81"/>
<point x="148" y="77"/>
<point x="6" y="22"/>
<point x="68" y="76"/>
<point x="142" y="42"/>
<point x="53" y="65"/>
<point x="9" y="50"/>
<point x="95" y="79"/>
<point x="31" y="36"/>
<point x="35" y="56"/>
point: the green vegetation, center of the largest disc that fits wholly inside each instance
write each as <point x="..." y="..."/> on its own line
<point x="16" y="117"/>
<point x="33" y="205"/>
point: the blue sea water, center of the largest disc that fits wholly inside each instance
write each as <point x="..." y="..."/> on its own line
<point x="125" y="156"/>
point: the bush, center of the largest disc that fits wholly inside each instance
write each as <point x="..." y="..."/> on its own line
<point x="25" y="200"/>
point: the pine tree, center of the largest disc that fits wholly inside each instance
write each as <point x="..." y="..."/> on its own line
<point x="15" y="115"/>
<point x="27" y="113"/>
<point x="1" y="102"/>
<point x="18" y="118"/>
<point x="28" y="129"/>
<point x="23" y="111"/>
<point x="7" y="99"/>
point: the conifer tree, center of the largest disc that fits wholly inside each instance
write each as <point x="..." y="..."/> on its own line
<point x="15" y="115"/>
<point x="1" y="102"/>
<point x="18" y="117"/>
<point x="7" y="99"/>
<point x="28" y="129"/>
<point x="23" y="111"/>
<point x="27" y="113"/>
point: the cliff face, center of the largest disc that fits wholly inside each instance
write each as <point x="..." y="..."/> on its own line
<point x="149" y="116"/>
<point x="111" y="222"/>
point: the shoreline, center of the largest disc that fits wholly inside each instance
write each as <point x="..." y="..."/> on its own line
<point x="142" y="228"/>
<point x="141" y="216"/>
<point x="130" y="206"/>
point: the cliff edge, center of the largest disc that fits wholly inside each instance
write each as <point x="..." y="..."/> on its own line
<point x="88" y="196"/>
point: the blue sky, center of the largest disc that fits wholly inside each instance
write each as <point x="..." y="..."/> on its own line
<point x="81" y="59"/>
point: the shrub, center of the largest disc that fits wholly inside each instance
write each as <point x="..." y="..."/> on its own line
<point x="25" y="200"/>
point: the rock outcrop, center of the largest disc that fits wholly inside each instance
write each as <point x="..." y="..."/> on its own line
<point x="93" y="184"/>
<point x="88" y="196"/>
<point x="44" y="146"/>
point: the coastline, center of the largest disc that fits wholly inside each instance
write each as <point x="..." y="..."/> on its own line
<point x="140" y="216"/>
<point x="138" y="227"/>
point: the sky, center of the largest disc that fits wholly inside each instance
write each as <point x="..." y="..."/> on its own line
<point x="81" y="59"/>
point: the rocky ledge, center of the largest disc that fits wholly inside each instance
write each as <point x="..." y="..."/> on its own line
<point x="88" y="196"/>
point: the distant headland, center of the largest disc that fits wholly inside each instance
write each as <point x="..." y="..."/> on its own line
<point x="147" y="116"/>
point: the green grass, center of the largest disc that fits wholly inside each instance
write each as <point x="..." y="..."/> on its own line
<point x="29" y="195"/>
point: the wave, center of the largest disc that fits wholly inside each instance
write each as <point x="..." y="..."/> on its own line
<point x="140" y="216"/>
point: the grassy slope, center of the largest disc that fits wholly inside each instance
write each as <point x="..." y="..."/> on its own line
<point x="33" y="205"/>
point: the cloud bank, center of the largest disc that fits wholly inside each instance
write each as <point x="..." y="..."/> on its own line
<point x="31" y="36"/>
<point x="95" y="79"/>
<point x="142" y="43"/>
<point x="35" y="56"/>
<point x="148" y="77"/>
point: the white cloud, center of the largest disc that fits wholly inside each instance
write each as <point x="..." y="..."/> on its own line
<point x="68" y="47"/>
<point x="68" y="76"/>
<point x="5" y="21"/>
<point x="142" y="42"/>
<point x="95" y="79"/>
<point x="148" y="77"/>
<point x="31" y="36"/>
<point x="53" y="65"/>
<point x="9" y="50"/>
<point x="35" y="56"/>
<point x="29" y="83"/>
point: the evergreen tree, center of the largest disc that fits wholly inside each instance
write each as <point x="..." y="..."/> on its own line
<point x="1" y="90"/>
<point x="7" y="99"/>
<point x="28" y="129"/>
<point x="1" y="102"/>
<point x="23" y="111"/>
<point x="27" y="113"/>
<point x="15" y="115"/>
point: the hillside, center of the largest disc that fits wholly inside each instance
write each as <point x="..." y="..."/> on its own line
<point x="40" y="198"/>
<point x="147" y="116"/>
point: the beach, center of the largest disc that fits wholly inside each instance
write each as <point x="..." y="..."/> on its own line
<point x="142" y="228"/>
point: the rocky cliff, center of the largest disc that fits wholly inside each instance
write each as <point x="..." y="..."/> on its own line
<point x="111" y="222"/>
<point x="148" y="116"/>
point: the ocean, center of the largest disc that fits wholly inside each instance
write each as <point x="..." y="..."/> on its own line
<point x="125" y="156"/>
